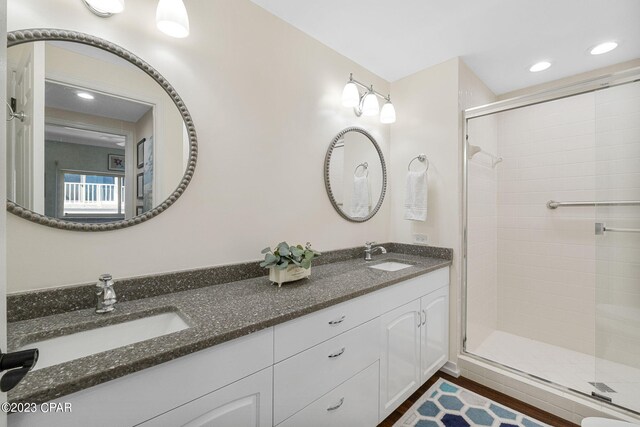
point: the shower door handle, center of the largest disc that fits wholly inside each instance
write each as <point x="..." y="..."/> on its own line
<point x="601" y="227"/>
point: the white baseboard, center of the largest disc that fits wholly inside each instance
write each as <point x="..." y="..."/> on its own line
<point x="451" y="369"/>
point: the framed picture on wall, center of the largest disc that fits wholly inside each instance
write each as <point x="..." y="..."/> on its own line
<point x="116" y="163"/>
<point x="140" y="186"/>
<point x="139" y="210"/>
<point x="140" y="153"/>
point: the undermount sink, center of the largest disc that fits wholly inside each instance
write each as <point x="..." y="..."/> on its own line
<point x="390" y="266"/>
<point x="74" y="346"/>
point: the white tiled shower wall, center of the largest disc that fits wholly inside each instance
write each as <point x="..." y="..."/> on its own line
<point x="617" y="169"/>
<point x="556" y="281"/>
<point x="546" y="258"/>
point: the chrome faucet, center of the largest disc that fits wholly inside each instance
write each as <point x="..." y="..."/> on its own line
<point x="368" y="250"/>
<point x="105" y="294"/>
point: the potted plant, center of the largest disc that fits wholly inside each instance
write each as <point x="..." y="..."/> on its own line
<point x="288" y="263"/>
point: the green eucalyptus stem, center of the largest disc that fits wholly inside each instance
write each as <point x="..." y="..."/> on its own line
<point x="284" y="255"/>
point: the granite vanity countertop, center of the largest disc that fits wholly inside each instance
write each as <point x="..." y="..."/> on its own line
<point x="215" y="314"/>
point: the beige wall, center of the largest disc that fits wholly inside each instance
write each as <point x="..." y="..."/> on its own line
<point x="482" y="232"/>
<point x="431" y="102"/>
<point x="428" y="123"/>
<point x="265" y="99"/>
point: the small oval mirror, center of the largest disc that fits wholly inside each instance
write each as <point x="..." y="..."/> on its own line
<point x="96" y="138"/>
<point x="355" y="174"/>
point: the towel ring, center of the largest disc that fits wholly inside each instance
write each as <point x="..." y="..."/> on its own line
<point x="420" y="158"/>
<point x="365" y="167"/>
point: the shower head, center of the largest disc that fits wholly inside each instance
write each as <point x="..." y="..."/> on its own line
<point x="473" y="150"/>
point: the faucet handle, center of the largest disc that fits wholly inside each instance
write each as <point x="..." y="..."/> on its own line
<point x="370" y="243"/>
<point x="105" y="280"/>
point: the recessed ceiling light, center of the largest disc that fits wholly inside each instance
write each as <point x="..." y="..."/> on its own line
<point x="604" y="48"/>
<point x="540" y="66"/>
<point x="85" y="95"/>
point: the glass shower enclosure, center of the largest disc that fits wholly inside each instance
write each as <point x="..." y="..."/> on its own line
<point x="551" y="265"/>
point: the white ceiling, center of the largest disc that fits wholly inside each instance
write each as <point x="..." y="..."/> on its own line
<point x="65" y="97"/>
<point x="498" y="39"/>
<point x="80" y="136"/>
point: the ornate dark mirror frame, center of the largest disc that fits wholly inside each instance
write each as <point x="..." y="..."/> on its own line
<point x="46" y="34"/>
<point x="327" y="182"/>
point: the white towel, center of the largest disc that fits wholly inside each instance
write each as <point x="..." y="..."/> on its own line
<point x="415" y="199"/>
<point x="360" y="199"/>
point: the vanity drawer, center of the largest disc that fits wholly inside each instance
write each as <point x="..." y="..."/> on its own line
<point x="300" y="334"/>
<point x="303" y="378"/>
<point x="353" y="403"/>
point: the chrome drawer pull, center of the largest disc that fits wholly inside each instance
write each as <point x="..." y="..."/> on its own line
<point x="337" y="405"/>
<point x="336" y="354"/>
<point x="337" y="321"/>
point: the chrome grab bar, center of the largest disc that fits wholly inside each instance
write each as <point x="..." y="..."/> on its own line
<point x="601" y="227"/>
<point x="552" y="204"/>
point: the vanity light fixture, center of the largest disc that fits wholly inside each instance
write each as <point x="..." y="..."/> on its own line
<point x="604" y="48"/>
<point x="540" y="66"/>
<point x="104" y="8"/>
<point x="171" y="15"/>
<point x="366" y="104"/>
<point x="85" y="95"/>
<point x="172" y="18"/>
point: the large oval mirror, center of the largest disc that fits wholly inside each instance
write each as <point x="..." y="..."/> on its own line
<point x="96" y="138"/>
<point x="355" y="174"/>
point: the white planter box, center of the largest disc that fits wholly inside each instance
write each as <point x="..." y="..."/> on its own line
<point x="289" y="274"/>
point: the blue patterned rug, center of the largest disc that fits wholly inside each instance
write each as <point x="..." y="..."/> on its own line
<point x="449" y="405"/>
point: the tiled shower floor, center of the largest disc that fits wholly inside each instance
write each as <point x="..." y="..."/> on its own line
<point x="565" y="367"/>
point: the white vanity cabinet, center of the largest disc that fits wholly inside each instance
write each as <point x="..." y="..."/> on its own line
<point x="434" y="332"/>
<point x="351" y="364"/>
<point x="399" y="356"/>
<point x="206" y="377"/>
<point x="414" y="346"/>
<point x="244" y="403"/>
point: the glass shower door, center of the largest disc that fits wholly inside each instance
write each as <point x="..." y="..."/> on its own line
<point x="617" y="240"/>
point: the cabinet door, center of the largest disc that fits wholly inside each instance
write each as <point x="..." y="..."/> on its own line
<point x="400" y="356"/>
<point x="434" y="332"/>
<point x="245" y="403"/>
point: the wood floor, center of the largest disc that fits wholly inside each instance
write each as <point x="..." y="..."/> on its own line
<point x="512" y="403"/>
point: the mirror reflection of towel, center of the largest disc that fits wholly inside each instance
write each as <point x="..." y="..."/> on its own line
<point x="360" y="199"/>
<point x="415" y="199"/>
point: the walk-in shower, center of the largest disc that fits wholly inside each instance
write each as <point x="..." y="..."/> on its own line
<point x="551" y="272"/>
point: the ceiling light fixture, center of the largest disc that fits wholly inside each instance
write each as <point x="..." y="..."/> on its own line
<point x="85" y="95"/>
<point x="604" y="48"/>
<point x="172" y="18"/>
<point x="366" y="104"/>
<point x="540" y="66"/>
<point x="104" y="8"/>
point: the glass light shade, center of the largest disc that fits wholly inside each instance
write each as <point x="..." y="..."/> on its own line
<point x="388" y="113"/>
<point x="172" y="18"/>
<point x="107" y="6"/>
<point x="370" y="106"/>
<point x="350" y="95"/>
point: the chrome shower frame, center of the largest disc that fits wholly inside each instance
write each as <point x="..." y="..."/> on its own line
<point x="591" y="85"/>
